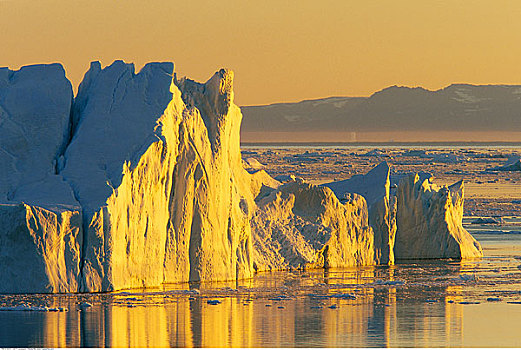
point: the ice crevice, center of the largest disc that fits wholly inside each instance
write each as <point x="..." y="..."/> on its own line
<point x="138" y="181"/>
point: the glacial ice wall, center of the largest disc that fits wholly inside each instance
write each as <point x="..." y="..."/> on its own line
<point x="114" y="116"/>
<point x="30" y="146"/>
<point x="142" y="182"/>
<point x="40" y="220"/>
<point x="180" y="212"/>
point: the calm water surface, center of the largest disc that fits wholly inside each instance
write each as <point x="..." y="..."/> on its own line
<point x="433" y="303"/>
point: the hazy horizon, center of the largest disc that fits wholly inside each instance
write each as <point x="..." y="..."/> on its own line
<point x="382" y="89"/>
<point x="380" y="137"/>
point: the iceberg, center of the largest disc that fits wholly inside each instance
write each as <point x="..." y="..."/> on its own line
<point x="171" y="202"/>
<point x="139" y="181"/>
<point x="417" y="220"/>
<point x="429" y="221"/>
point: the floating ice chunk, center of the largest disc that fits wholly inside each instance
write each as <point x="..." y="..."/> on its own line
<point x="468" y="278"/>
<point x="252" y="163"/>
<point x="389" y="283"/>
<point x="514" y="166"/>
<point x="490" y="220"/>
<point x="494" y="299"/>
<point x="84" y="305"/>
<point x="33" y="308"/>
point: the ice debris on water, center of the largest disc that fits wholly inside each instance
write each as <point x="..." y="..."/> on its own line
<point x="467" y="278"/>
<point x="330" y="296"/>
<point x="389" y="283"/>
<point x="494" y="299"/>
<point x="84" y="305"/>
<point x="279" y="298"/>
<point x="25" y="307"/>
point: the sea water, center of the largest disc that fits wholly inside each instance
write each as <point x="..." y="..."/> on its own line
<point x="434" y="303"/>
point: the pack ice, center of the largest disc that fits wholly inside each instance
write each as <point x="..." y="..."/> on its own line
<point x="138" y="181"/>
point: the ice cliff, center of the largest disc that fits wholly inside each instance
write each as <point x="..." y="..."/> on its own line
<point x="375" y="188"/>
<point x="139" y="181"/>
<point x="169" y="203"/>
<point x="429" y="221"/>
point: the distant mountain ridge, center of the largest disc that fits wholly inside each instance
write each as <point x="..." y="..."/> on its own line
<point x="457" y="107"/>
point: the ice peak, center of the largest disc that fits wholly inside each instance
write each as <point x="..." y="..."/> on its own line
<point x="214" y="101"/>
<point x="214" y="97"/>
<point x="221" y="86"/>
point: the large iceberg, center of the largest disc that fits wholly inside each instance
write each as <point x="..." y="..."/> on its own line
<point x="139" y="181"/>
<point x="169" y="203"/>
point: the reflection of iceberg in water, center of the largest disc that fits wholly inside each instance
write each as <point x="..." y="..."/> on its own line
<point x="423" y="322"/>
<point x="385" y="313"/>
<point x="180" y="325"/>
<point x="138" y="327"/>
<point x="60" y="328"/>
<point x="229" y="325"/>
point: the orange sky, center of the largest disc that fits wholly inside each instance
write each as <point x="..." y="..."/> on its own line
<point x="280" y="50"/>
